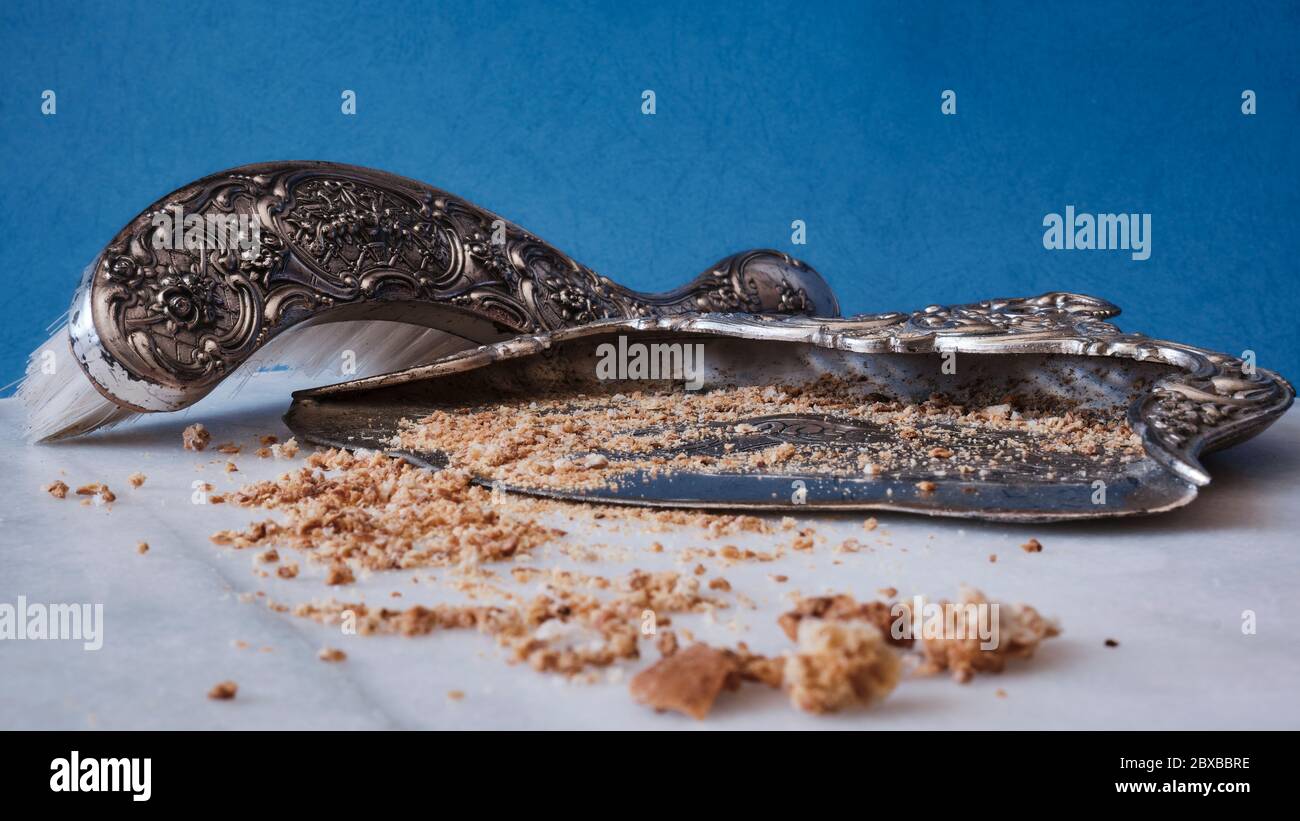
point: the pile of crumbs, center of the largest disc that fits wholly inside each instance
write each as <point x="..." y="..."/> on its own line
<point x="380" y="513"/>
<point x="356" y="514"/>
<point x="547" y="443"/>
<point x="365" y="513"/>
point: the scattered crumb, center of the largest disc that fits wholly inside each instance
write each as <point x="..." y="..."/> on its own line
<point x="58" y="489"/>
<point x="926" y="486"/>
<point x="687" y="682"/>
<point x="331" y="654"/>
<point x="455" y="695"/>
<point x="1032" y="546"/>
<point x="97" y="489"/>
<point x="142" y="548"/>
<point x="195" y="437"/>
<point x="839" y="608"/>
<point x="339" y="573"/>
<point x="135" y="480"/>
<point x="228" y="448"/>
<point x="231" y="468"/>
<point x="287" y="571"/>
<point x="888" y="592"/>
<point x="993" y="558"/>
<point x="224" y="690"/>
<point x="1000" y="693"/>
<point x="666" y="643"/>
<point x="838" y="664"/>
<point x="1020" y="629"/>
<point x="869" y="524"/>
<point x="1112" y="643"/>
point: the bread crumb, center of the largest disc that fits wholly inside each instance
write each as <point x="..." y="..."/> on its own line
<point x="135" y="480"/>
<point x="666" y="643"/>
<point x="268" y="440"/>
<point x="1000" y="693"/>
<point x="142" y="548"/>
<point x="1020" y="629"/>
<point x="97" y="489"/>
<point x="926" y="486"/>
<point x="687" y="682"/>
<point x="58" y="489"/>
<point x="1112" y="643"/>
<point x="839" y="664"/>
<point x="840" y="607"/>
<point x="228" y="448"/>
<point x="231" y="468"/>
<point x="455" y="695"/>
<point x="223" y="691"/>
<point x="195" y="437"/>
<point x="870" y="524"/>
<point x="339" y="573"/>
<point x="331" y="654"/>
<point x="993" y="558"/>
<point x="1032" y="546"/>
<point x="287" y="571"/>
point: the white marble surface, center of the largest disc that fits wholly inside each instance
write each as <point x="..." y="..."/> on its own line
<point x="1171" y="589"/>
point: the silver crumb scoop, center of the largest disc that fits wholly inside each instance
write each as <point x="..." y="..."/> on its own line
<point x="1171" y="400"/>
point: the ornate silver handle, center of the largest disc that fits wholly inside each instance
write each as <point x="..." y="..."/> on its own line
<point x="200" y="280"/>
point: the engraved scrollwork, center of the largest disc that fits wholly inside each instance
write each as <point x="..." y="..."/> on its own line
<point x="184" y="314"/>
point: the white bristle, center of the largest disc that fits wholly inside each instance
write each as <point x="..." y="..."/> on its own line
<point x="61" y="401"/>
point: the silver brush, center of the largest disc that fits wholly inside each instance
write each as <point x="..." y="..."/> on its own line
<point x="206" y="277"/>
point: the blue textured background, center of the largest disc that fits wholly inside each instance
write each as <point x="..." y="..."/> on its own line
<point x="767" y="112"/>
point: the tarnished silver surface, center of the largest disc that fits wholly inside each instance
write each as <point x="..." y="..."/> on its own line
<point x="1181" y="400"/>
<point x="156" y="328"/>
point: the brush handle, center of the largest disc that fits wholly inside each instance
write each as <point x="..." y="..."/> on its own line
<point x="180" y="298"/>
